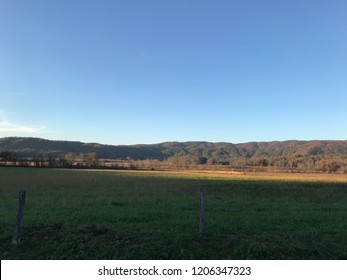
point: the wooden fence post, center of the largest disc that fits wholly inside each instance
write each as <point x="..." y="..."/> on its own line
<point x="201" y="214"/>
<point x="20" y="216"/>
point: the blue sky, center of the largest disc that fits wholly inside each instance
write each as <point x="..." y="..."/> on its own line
<point x="143" y="71"/>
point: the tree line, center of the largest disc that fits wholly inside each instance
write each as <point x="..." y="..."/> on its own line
<point x="299" y="163"/>
<point x="68" y="160"/>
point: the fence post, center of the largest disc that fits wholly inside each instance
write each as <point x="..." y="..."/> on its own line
<point x="201" y="214"/>
<point x="20" y="215"/>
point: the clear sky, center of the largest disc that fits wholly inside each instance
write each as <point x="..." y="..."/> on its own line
<point x="145" y="71"/>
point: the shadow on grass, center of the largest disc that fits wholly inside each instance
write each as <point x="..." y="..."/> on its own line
<point x="62" y="241"/>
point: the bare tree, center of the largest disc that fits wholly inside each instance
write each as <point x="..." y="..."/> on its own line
<point x="6" y="156"/>
<point x="92" y="159"/>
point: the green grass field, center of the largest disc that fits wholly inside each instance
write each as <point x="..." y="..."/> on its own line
<point x="80" y="214"/>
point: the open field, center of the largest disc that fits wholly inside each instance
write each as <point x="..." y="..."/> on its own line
<point x="85" y="214"/>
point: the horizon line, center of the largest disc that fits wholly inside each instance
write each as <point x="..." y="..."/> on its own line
<point x="175" y="141"/>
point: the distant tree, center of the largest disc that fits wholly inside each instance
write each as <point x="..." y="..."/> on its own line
<point x="80" y="158"/>
<point x="261" y="162"/>
<point x="211" y="161"/>
<point x="70" y="158"/>
<point x="333" y="166"/>
<point x="202" y="160"/>
<point x="51" y="161"/>
<point x="7" y="156"/>
<point x="62" y="162"/>
<point x="92" y="159"/>
<point x="42" y="158"/>
<point x="36" y="160"/>
<point x="239" y="163"/>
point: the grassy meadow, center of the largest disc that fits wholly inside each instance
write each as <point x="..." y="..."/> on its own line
<point x="86" y="214"/>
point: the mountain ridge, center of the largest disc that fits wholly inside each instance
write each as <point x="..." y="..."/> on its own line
<point x="30" y="147"/>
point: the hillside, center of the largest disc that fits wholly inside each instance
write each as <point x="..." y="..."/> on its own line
<point x="299" y="155"/>
<point x="31" y="147"/>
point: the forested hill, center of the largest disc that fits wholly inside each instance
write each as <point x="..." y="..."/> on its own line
<point x="219" y="152"/>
